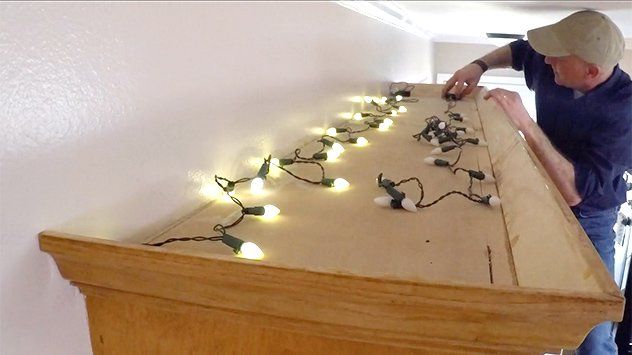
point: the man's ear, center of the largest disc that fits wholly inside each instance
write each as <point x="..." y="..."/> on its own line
<point x="593" y="71"/>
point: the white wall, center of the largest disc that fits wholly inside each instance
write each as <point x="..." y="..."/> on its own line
<point x="450" y="57"/>
<point x="110" y="110"/>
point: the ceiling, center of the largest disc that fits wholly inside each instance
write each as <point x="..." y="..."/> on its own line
<point x="469" y="21"/>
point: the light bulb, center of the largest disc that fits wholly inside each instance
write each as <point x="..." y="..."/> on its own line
<point x="357" y="116"/>
<point x="494" y="201"/>
<point x="403" y="109"/>
<point x="247" y="250"/>
<point x="368" y="99"/>
<point x="337" y="146"/>
<point x="361" y="141"/>
<point x="434" y="141"/>
<point x="271" y="211"/>
<point x="388" y="122"/>
<point x="210" y="190"/>
<point x="256" y="185"/>
<point x="409" y="205"/>
<point x="393" y="112"/>
<point x="382" y="127"/>
<point x="398" y="98"/>
<point x="250" y="250"/>
<point x="357" y="99"/>
<point x="333" y="154"/>
<point x="341" y="184"/>
<point x="347" y="115"/>
<point x="383" y="99"/>
<point x="441" y="125"/>
<point x="275" y="161"/>
<point x="331" y="131"/>
<point x="384" y="201"/>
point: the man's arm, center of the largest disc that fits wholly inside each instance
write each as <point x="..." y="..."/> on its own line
<point x="561" y="171"/>
<point x="471" y="74"/>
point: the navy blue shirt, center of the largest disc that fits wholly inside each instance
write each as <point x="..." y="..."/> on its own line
<point x="593" y="131"/>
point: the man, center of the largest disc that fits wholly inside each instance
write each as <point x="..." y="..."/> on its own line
<point x="583" y="135"/>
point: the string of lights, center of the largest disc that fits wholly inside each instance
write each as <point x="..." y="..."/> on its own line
<point x="331" y="147"/>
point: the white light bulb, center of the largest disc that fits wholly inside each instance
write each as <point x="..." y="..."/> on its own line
<point x="210" y="190"/>
<point x="482" y="143"/>
<point x="382" y="127"/>
<point x="436" y="151"/>
<point x="333" y="154"/>
<point x="409" y="205"/>
<point x="275" y="161"/>
<point x="429" y="160"/>
<point x="393" y="112"/>
<point x="388" y="122"/>
<point x="357" y="99"/>
<point x="494" y="201"/>
<point x="383" y="201"/>
<point x="434" y="141"/>
<point x="488" y="177"/>
<point x="441" y="125"/>
<point x="368" y="99"/>
<point x="341" y="184"/>
<point x="357" y="116"/>
<point x="361" y="142"/>
<point x="256" y="185"/>
<point x="465" y="118"/>
<point x="403" y="109"/>
<point x="251" y="251"/>
<point x="331" y="131"/>
<point x="347" y="115"/>
<point x="398" y="98"/>
<point x="383" y="99"/>
<point x="271" y="211"/>
<point x="460" y="133"/>
<point x="337" y="146"/>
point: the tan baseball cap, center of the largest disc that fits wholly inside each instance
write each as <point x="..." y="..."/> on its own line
<point x="590" y="35"/>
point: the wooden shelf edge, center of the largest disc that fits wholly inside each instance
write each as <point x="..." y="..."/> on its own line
<point x="405" y="312"/>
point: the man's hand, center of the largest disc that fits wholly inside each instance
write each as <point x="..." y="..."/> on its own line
<point x="469" y="74"/>
<point x="511" y="103"/>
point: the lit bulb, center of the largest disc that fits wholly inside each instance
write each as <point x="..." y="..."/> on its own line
<point x="347" y="115"/>
<point x="361" y="142"/>
<point x="403" y="109"/>
<point x="393" y="112"/>
<point x="441" y="125"/>
<point x="368" y="99"/>
<point x="383" y="99"/>
<point x="388" y="122"/>
<point x="256" y="185"/>
<point x="210" y="190"/>
<point x="337" y="146"/>
<point x="382" y="127"/>
<point x="331" y="131"/>
<point x="275" y="161"/>
<point x="357" y="99"/>
<point x="434" y="141"/>
<point x="250" y="251"/>
<point x="357" y="116"/>
<point x="398" y="98"/>
<point x="270" y="211"/>
<point x="341" y="184"/>
<point x="333" y="154"/>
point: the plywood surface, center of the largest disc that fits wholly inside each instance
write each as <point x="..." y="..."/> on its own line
<point x="321" y="229"/>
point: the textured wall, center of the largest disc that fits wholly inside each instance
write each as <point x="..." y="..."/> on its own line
<point x="110" y="113"/>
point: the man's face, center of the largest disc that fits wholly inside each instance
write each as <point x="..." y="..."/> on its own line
<point x="570" y="71"/>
